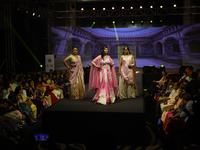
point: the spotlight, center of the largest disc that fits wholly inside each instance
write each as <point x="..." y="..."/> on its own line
<point x="104" y="8"/>
<point x="122" y="7"/>
<point x="38" y="15"/>
<point x="113" y="8"/>
<point x="93" y="8"/>
<point x="162" y="65"/>
<point x="113" y="22"/>
<point x="151" y="21"/>
<point x="93" y="22"/>
<point x="142" y="21"/>
<point x="82" y="8"/>
<point x="33" y="14"/>
<point x="161" y="6"/>
<point x="27" y="11"/>
<point x="41" y="66"/>
<point x="131" y="7"/>
<point x="161" y="20"/>
<point x="17" y="8"/>
<point x="132" y="22"/>
<point x="174" y="5"/>
<point x="140" y="7"/>
<point x="151" y="6"/>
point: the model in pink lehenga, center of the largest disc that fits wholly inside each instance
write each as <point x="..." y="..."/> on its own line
<point x="127" y="75"/>
<point x="103" y="80"/>
<point x="76" y="79"/>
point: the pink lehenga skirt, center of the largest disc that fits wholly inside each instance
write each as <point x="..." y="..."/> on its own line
<point x="106" y="93"/>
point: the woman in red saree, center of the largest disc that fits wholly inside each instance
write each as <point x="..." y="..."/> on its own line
<point x="76" y="79"/>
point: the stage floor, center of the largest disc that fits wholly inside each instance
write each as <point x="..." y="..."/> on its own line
<point x="121" y="105"/>
<point x="78" y="120"/>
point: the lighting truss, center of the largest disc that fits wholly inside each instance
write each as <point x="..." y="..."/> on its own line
<point x="135" y="12"/>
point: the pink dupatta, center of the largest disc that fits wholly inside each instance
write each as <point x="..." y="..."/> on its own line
<point x="94" y="79"/>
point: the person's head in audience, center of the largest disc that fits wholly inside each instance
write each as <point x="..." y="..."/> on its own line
<point x="194" y="76"/>
<point x="25" y="84"/>
<point x="58" y="75"/>
<point x="170" y="81"/>
<point x="21" y="74"/>
<point x="51" y="71"/>
<point x="38" y="79"/>
<point x="10" y="80"/>
<point x="164" y="73"/>
<point x="31" y="83"/>
<point x="15" y="78"/>
<point x="63" y="72"/>
<point x="18" y="90"/>
<point x="44" y="79"/>
<point x="54" y="77"/>
<point x="11" y="96"/>
<point x="47" y="76"/>
<point x="28" y="75"/>
<point x="176" y="85"/>
<point x="42" y="72"/>
<point x="186" y="98"/>
<point x="182" y="91"/>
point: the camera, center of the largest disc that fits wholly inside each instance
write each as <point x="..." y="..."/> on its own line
<point x="41" y="137"/>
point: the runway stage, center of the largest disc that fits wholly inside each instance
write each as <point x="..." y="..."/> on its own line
<point x="76" y="121"/>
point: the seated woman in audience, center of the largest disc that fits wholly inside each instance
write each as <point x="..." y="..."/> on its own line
<point x="25" y="105"/>
<point x="12" y="107"/>
<point x="38" y="96"/>
<point x="168" y="102"/>
<point x="156" y="84"/>
<point x="193" y="87"/>
<point x="174" y="109"/>
<point x="4" y="89"/>
<point x="62" y="81"/>
<point x="27" y="92"/>
<point x="162" y="88"/>
<point x="48" y="89"/>
<point x="168" y="91"/>
<point x="183" y="113"/>
<point x="57" y="91"/>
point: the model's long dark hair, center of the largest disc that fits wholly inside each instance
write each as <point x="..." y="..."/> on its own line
<point x="126" y="47"/>
<point x="102" y="51"/>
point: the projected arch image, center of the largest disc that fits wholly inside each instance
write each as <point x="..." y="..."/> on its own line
<point x="171" y="46"/>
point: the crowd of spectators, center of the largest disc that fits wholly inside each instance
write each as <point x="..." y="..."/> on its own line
<point x="23" y="97"/>
<point x="177" y="109"/>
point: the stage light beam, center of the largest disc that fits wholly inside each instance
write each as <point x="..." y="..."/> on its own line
<point x="115" y="31"/>
<point x="20" y="38"/>
<point x="92" y="24"/>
